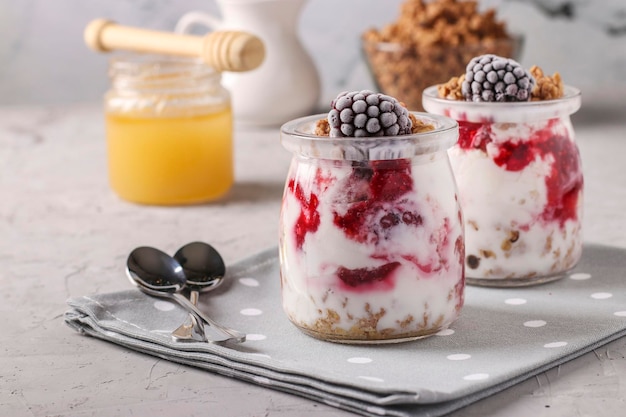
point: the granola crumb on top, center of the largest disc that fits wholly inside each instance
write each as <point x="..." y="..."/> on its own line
<point x="452" y="89"/>
<point x="420" y="126"/>
<point x="546" y="87"/>
<point x="322" y="127"/>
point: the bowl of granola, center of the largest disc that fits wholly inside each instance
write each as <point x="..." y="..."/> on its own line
<point x="431" y="42"/>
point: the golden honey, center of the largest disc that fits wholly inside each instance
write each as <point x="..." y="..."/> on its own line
<point x="169" y="132"/>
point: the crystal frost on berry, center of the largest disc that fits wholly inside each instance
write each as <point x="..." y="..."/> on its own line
<point x="493" y="78"/>
<point x="365" y="113"/>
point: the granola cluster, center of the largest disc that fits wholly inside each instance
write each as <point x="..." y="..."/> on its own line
<point x="547" y="87"/>
<point x="440" y="22"/>
<point x="322" y="127"/>
<point x="429" y="43"/>
<point x="452" y="89"/>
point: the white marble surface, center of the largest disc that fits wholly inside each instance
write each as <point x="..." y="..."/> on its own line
<point x="43" y="58"/>
<point x="63" y="233"/>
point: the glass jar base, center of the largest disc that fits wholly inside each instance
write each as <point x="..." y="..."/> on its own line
<point x="513" y="282"/>
<point x="154" y="197"/>
<point x="375" y="340"/>
<point x="168" y="202"/>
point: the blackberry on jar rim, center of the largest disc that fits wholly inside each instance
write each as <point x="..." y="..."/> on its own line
<point x="365" y="114"/>
<point x="493" y="78"/>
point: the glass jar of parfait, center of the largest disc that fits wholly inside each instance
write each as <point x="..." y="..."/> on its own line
<point x="518" y="170"/>
<point x="371" y="236"/>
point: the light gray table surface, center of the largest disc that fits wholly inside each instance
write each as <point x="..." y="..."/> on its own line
<point x="64" y="233"/>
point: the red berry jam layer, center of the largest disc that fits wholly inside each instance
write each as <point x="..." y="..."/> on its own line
<point x="521" y="188"/>
<point x="371" y="251"/>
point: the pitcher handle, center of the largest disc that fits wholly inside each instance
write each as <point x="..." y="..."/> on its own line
<point x="188" y="20"/>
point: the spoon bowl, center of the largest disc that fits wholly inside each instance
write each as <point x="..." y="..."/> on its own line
<point x="154" y="271"/>
<point x="202" y="265"/>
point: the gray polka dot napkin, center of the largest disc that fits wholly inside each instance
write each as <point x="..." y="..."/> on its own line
<point x="503" y="337"/>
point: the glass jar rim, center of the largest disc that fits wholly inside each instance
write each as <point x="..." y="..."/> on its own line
<point x="296" y="136"/>
<point x="148" y="65"/>
<point x="498" y="112"/>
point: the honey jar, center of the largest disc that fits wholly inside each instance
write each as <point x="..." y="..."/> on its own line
<point x="168" y="130"/>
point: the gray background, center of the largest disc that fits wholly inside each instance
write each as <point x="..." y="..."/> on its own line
<point x="43" y="59"/>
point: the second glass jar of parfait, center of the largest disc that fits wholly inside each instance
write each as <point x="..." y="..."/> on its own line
<point x="371" y="235"/>
<point x="520" y="182"/>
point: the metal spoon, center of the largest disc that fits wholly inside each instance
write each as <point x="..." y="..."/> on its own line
<point x="158" y="274"/>
<point x="204" y="269"/>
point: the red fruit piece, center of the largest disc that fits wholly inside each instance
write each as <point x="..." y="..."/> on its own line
<point x="309" y="218"/>
<point x="360" y="276"/>
<point x="565" y="179"/>
<point x="388" y="184"/>
<point x="385" y="182"/>
<point x="354" y="222"/>
<point x="474" y="135"/>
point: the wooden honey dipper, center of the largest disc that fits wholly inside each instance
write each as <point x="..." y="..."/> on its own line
<point x="234" y="51"/>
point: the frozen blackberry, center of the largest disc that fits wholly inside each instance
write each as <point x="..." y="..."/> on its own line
<point x="493" y="78"/>
<point x="365" y="113"/>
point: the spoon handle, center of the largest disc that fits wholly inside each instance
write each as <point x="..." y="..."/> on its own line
<point x="193" y="297"/>
<point x="223" y="333"/>
<point x="193" y="329"/>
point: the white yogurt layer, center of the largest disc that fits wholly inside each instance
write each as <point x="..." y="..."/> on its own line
<point x="507" y="235"/>
<point x="422" y="294"/>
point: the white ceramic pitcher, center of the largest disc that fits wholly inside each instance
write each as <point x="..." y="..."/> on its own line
<point x="287" y="84"/>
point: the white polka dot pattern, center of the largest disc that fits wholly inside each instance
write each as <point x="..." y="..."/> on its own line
<point x="601" y="295"/>
<point x="251" y="312"/>
<point x="454" y="357"/>
<point x="535" y="323"/>
<point x="555" y="345"/>
<point x="515" y="301"/>
<point x="458" y="357"/>
<point x="476" y="377"/>
<point x="580" y="276"/>
<point x="359" y="360"/>
<point x="540" y="330"/>
<point x="164" y="305"/>
<point x="372" y="378"/>
<point x="249" y="282"/>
